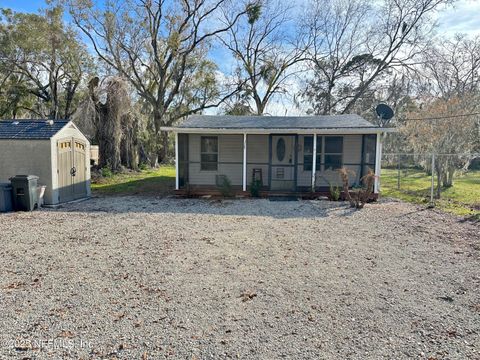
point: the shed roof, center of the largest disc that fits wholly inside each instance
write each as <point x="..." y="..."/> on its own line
<point x="30" y="129"/>
<point x="348" y="121"/>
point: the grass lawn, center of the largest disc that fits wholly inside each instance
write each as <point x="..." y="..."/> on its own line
<point x="159" y="182"/>
<point x="463" y="198"/>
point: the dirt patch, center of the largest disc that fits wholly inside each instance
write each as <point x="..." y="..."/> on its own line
<point x="136" y="277"/>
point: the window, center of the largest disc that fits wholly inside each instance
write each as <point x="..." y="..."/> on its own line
<point x="333" y="152"/>
<point x="209" y="153"/>
<point x="281" y="149"/>
<point x="308" y="151"/>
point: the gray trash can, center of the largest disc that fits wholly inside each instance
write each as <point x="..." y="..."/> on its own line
<point x="24" y="192"/>
<point x="6" y="197"/>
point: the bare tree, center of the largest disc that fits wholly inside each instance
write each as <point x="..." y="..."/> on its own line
<point x="158" y="46"/>
<point x="448" y="85"/>
<point x="266" y="48"/>
<point x="451" y="67"/>
<point x="357" y="42"/>
<point x="339" y="48"/>
<point x="451" y="137"/>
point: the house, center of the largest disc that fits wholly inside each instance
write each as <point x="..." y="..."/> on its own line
<point x="287" y="154"/>
<point x="54" y="150"/>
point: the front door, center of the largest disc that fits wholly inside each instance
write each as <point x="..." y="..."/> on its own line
<point x="283" y="162"/>
<point x="71" y="169"/>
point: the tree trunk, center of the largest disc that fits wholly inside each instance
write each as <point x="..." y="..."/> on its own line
<point x="162" y="137"/>
<point x="163" y="153"/>
<point x="108" y="139"/>
<point x="448" y="178"/>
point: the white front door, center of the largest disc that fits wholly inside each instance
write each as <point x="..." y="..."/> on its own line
<point x="283" y="162"/>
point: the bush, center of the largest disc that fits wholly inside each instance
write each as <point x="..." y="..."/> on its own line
<point x="359" y="197"/>
<point x="107" y="172"/>
<point x="226" y="187"/>
<point x="255" y="188"/>
<point x="143" y="166"/>
<point x="334" y="192"/>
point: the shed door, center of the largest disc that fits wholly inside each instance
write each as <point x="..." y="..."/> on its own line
<point x="71" y="169"/>
<point x="79" y="176"/>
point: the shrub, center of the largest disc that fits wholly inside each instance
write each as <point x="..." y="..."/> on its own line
<point x="334" y="192"/>
<point x="255" y="188"/>
<point x="107" y="172"/>
<point x="143" y="166"/>
<point x="226" y="187"/>
<point x="359" y="197"/>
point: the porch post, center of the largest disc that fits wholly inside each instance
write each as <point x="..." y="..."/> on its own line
<point x="314" y="161"/>
<point x="378" y="163"/>
<point x="244" y="162"/>
<point x="177" y="179"/>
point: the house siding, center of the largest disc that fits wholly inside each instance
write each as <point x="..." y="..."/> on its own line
<point x="257" y="156"/>
<point x="230" y="159"/>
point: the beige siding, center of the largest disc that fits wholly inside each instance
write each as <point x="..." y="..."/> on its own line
<point x="257" y="156"/>
<point x="257" y="149"/>
<point x="27" y="157"/>
<point x="230" y="157"/>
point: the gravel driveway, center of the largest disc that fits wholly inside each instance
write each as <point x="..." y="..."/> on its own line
<point x="146" y="278"/>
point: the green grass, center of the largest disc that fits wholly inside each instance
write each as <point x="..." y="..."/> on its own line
<point x="463" y="198"/>
<point x="158" y="182"/>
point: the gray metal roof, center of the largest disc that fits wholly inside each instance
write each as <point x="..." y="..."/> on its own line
<point x="275" y="122"/>
<point x="29" y="129"/>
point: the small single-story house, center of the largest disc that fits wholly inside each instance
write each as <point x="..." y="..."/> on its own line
<point x="287" y="154"/>
<point x="54" y="150"/>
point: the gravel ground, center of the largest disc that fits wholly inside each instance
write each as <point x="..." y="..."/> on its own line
<point x="138" y="278"/>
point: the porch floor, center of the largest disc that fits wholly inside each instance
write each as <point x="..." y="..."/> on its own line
<point x="239" y="193"/>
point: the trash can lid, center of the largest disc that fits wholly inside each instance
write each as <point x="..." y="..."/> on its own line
<point x="5" y="186"/>
<point x="24" y="177"/>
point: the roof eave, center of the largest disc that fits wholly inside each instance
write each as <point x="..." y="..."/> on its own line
<point x="253" y="131"/>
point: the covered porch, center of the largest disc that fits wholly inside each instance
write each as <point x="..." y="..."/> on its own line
<point x="283" y="162"/>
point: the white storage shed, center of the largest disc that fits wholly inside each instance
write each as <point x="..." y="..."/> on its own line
<point x="54" y="150"/>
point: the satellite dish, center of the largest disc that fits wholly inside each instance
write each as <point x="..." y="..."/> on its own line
<point x="384" y="112"/>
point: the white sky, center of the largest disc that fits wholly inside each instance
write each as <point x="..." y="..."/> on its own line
<point x="464" y="17"/>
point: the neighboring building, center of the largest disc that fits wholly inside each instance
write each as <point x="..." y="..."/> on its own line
<point x="94" y="155"/>
<point x="278" y="150"/>
<point x="54" y="150"/>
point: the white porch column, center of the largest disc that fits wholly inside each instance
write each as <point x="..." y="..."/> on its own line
<point x="245" y="162"/>
<point x="177" y="179"/>
<point x="314" y="161"/>
<point x="378" y="163"/>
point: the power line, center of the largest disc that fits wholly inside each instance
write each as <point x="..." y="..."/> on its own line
<point x="440" y="117"/>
